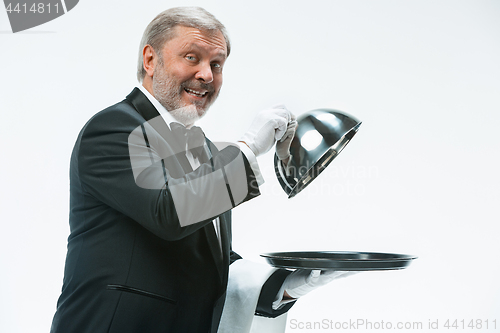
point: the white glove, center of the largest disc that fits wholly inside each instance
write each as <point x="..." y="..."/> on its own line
<point x="303" y="281"/>
<point x="267" y="127"/>
<point x="283" y="145"/>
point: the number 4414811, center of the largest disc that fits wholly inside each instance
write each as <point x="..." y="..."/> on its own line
<point x="471" y="324"/>
<point x="36" y="8"/>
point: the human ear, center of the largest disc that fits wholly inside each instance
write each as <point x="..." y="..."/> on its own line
<point x="149" y="59"/>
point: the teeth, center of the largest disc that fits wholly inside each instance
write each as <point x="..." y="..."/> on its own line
<point x="194" y="92"/>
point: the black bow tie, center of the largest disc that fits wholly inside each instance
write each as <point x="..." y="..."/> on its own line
<point x="193" y="137"/>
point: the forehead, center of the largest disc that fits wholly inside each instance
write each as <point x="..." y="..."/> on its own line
<point x="188" y="37"/>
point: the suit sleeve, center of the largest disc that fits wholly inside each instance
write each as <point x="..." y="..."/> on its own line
<point x="105" y="169"/>
<point x="268" y="294"/>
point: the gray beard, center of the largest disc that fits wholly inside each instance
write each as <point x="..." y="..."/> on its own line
<point x="168" y="93"/>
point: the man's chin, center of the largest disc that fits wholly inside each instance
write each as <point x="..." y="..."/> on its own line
<point x="188" y="115"/>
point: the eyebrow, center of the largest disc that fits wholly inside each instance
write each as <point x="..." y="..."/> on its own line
<point x="220" y="53"/>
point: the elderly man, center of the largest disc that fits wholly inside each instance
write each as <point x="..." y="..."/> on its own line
<point x="150" y="218"/>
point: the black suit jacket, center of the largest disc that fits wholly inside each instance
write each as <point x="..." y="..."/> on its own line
<point x="130" y="266"/>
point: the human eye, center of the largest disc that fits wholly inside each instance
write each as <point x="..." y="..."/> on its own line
<point x="217" y="67"/>
<point x="190" y="57"/>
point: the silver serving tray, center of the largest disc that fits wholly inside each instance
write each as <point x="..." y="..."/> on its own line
<point x="341" y="261"/>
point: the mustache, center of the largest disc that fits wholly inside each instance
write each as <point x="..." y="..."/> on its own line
<point x="198" y="86"/>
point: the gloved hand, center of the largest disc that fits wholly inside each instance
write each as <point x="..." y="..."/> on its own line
<point x="283" y="145"/>
<point x="303" y="281"/>
<point x="267" y="127"/>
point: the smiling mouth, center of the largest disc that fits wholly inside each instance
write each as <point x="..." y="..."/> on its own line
<point x="196" y="93"/>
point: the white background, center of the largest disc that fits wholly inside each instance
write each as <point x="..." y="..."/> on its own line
<point x="421" y="176"/>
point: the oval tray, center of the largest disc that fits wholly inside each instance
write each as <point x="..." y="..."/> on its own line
<point x="337" y="260"/>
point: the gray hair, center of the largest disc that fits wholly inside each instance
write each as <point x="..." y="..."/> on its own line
<point x="160" y="30"/>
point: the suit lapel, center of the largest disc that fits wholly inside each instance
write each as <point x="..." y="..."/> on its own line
<point x="220" y="255"/>
<point x="147" y="110"/>
<point x="142" y="104"/>
<point x="213" y="244"/>
<point x="225" y="231"/>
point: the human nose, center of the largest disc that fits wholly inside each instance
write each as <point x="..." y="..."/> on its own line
<point x="205" y="73"/>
